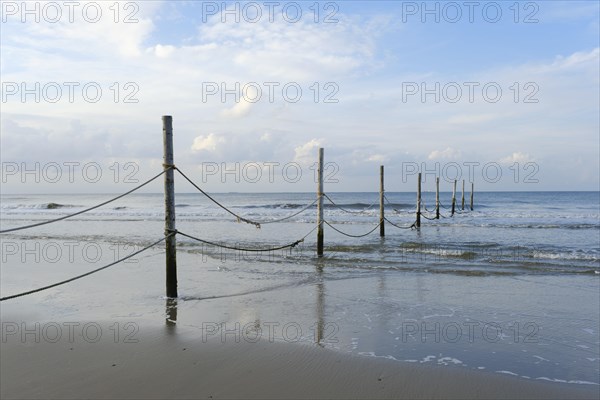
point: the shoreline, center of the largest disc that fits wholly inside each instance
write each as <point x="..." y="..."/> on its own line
<point x="424" y="335"/>
<point x="164" y="364"/>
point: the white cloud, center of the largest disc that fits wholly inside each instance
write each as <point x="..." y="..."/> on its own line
<point x="448" y="154"/>
<point x="298" y="52"/>
<point x="240" y="109"/>
<point x="170" y="61"/>
<point x="80" y="36"/>
<point x="207" y="143"/>
<point x="463" y="119"/>
<point x="377" y="158"/>
<point x="517" y="157"/>
<point x="307" y="153"/>
<point x="574" y="61"/>
<point x="163" y="51"/>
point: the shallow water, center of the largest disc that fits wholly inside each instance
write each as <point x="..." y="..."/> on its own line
<point x="511" y="287"/>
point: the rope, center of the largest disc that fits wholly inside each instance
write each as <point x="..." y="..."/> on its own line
<point x="83" y="211"/>
<point x="443" y="206"/>
<point x="87" y="273"/>
<point x="348" y="211"/>
<point x="349" y="235"/>
<point x="291" y="245"/>
<point x="289" y="216"/>
<point x="426" y="217"/>
<point x="396" y="210"/>
<point x="425" y="207"/>
<point x="386" y="199"/>
<point x="400" y="227"/>
<point x="239" y="218"/>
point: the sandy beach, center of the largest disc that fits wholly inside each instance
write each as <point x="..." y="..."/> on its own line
<point x="300" y="338"/>
<point x="162" y="365"/>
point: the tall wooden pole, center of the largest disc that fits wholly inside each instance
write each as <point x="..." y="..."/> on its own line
<point x="418" y="223"/>
<point x="437" y="198"/>
<point x="453" y="198"/>
<point x="170" y="242"/>
<point x="381" y="204"/>
<point x="320" y="205"/>
<point x="463" y="196"/>
<point x="472" y="187"/>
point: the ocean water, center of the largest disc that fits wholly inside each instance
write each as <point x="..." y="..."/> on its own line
<point x="511" y="287"/>
<point x="506" y="233"/>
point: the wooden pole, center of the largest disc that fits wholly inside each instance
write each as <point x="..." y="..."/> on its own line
<point x="472" y="187"/>
<point x="381" y="204"/>
<point x="171" y="312"/>
<point x="418" y="223"/>
<point x="463" y="196"/>
<point x="453" y="198"/>
<point x="320" y="205"/>
<point x="170" y="242"/>
<point x="437" y="198"/>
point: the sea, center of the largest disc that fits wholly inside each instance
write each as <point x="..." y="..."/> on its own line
<point x="511" y="286"/>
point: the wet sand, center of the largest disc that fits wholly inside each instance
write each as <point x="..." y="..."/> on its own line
<point x="150" y="347"/>
<point x="163" y="364"/>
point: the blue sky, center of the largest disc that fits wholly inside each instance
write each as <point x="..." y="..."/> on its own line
<point x="367" y="60"/>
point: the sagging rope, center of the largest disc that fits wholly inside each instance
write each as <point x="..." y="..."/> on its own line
<point x="401" y="227"/>
<point x="87" y="273"/>
<point x="239" y="218"/>
<point x="426" y="217"/>
<point x="443" y="206"/>
<point x="349" y="235"/>
<point x="87" y="209"/>
<point x="424" y="206"/>
<point x="290" y="245"/>
<point x="396" y="210"/>
<point x="426" y="209"/>
<point x="290" y="216"/>
<point x="348" y="211"/>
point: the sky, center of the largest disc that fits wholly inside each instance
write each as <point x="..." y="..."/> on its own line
<point x="502" y="94"/>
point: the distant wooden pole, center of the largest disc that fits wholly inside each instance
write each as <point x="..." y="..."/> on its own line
<point x="437" y="198"/>
<point x="320" y="205"/>
<point x="381" y="204"/>
<point x="463" y="196"/>
<point x="170" y="242"/>
<point x="418" y="223"/>
<point x="453" y="198"/>
<point x="472" y="187"/>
